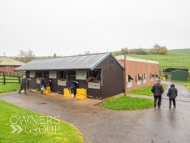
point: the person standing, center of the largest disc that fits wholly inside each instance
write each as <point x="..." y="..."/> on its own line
<point x="42" y="85"/>
<point x="166" y="76"/>
<point x="23" y="84"/>
<point x="157" y="90"/>
<point x="172" y="94"/>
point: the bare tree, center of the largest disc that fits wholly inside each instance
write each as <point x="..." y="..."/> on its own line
<point x="26" y="57"/>
<point x="87" y="52"/>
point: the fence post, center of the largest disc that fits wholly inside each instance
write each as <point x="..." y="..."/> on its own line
<point x="4" y="79"/>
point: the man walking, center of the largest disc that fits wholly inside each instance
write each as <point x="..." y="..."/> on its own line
<point x="22" y="84"/>
<point x="172" y="94"/>
<point x="157" y="90"/>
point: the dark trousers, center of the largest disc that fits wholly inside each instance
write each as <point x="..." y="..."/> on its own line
<point x="170" y="102"/>
<point x="22" y="89"/>
<point x="159" y="100"/>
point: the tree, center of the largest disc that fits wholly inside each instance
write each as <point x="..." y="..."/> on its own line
<point x="26" y="57"/>
<point x="141" y="52"/>
<point x="124" y="51"/>
<point x="117" y="53"/>
<point x="155" y="49"/>
<point x="163" y="50"/>
<point x="133" y="51"/>
<point x="87" y="52"/>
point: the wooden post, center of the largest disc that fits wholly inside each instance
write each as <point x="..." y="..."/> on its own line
<point x="4" y="79"/>
<point x="124" y="75"/>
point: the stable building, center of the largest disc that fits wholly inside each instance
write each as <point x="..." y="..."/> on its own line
<point x="101" y="74"/>
<point x="8" y="65"/>
<point x="139" y="73"/>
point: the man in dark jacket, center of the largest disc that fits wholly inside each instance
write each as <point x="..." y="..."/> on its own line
<point x="23" y="84"/>
<point x="172" y="94"/>
<point x="157" y="90"/>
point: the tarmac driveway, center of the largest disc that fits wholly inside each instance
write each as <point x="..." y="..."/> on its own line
<point x="99" y="125"/>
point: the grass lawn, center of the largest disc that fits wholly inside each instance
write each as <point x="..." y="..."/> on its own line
<point x="9" y="87"/>
<point x="127" y="103"/>
<point x="145" y="91"/>
<point x="36" y="127"/>
<point x="186" y="83"/>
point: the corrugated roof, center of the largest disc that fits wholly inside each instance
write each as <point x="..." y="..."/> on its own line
<point x="90" y="61"/>
<point x="121" y="57"/>
<point x="5" y="61"/>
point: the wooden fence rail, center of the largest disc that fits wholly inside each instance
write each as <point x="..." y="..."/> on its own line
<point x="5" y="80"/>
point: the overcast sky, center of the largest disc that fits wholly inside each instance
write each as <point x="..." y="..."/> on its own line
<point x="70" y="27"/>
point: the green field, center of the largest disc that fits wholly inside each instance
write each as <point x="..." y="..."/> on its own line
<point x="145" y="91"/>
<point x="171" y="60"/>
<point x="127" y="103"/>
<point x="37" y="128"/>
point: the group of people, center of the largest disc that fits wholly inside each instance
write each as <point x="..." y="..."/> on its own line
<point x="43" y="84"/>
<point x="158" y="89"/>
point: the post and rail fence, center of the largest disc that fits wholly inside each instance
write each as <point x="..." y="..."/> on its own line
<point x="5" y="77"/>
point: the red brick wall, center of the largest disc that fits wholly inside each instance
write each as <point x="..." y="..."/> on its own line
<point x="134" y="68"/>
<point x="7" y="69"/>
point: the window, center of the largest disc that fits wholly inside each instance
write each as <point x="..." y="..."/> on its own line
<point x="81" y="74"/>
<point x="46" y="74"/>
<point x="62" y="75"/>
<point x="38" y="74"/>
<point x="151" y="76"/>
<point x="72" y="75"/>
<point x="139" y="78"/>
<point x="53" y="74"/>
<point x="156" y="76"/>
<point x="144" y="78"/>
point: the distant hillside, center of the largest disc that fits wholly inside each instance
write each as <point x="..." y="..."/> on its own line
<point x="180" y="51"/>
<point x="168" y="61"/>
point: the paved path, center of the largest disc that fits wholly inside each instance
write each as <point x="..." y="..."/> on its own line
<point x="100" y="125"/>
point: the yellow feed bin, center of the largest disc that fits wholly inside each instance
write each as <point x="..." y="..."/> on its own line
<point x="164" y="79"/>
<point x="80" y="96"/>
<point x="67" y="93"/>
<point x="81" y="93"/>
<point x="47" y="90"/>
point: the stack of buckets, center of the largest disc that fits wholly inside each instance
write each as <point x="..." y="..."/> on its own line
<point x="81" y="93"/>
<point x="47" y="90"/>
<point x="67" y="92"/>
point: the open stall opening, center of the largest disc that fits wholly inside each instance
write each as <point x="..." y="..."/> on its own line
<point x="151" y="77"/>
<point x="129" y="80"/>
<point x="144" y="78"/>
<point x="139" y="78"/>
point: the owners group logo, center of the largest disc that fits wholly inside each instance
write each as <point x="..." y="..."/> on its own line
<point x="35" y="124"/>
